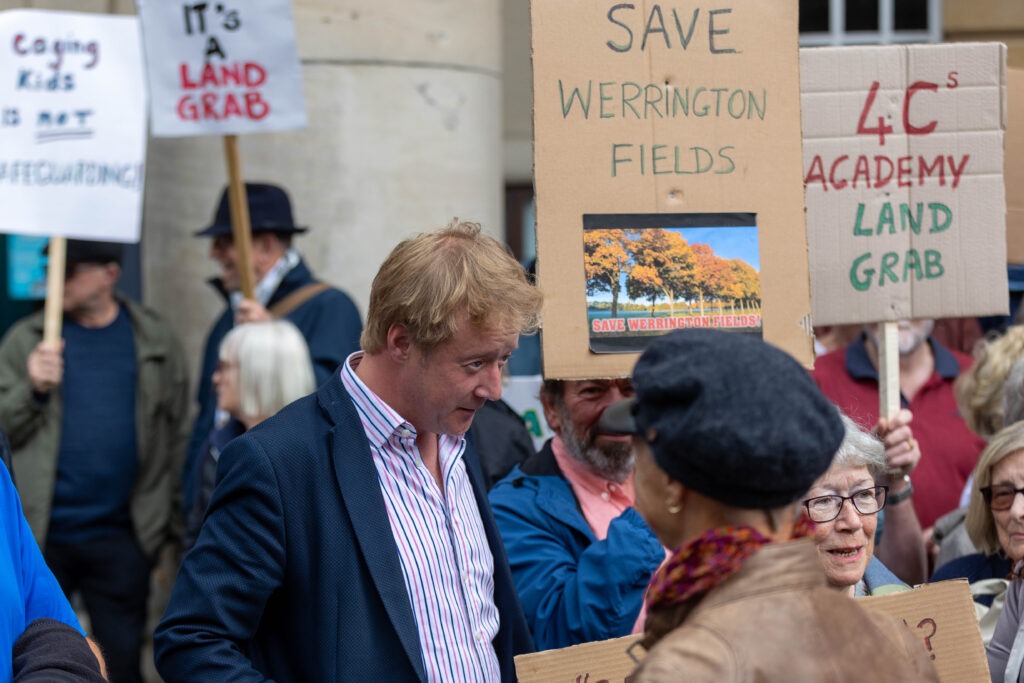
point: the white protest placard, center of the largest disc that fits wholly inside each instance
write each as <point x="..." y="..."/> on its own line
<point x="225" y="68"/>
<point x="72" y="125"/>
<point x="903" y="164"/>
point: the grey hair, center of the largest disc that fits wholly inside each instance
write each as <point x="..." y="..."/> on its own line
<point x="1013" y="394"/>
<point x="860" y="449"/>
<point x="274" y="366"/>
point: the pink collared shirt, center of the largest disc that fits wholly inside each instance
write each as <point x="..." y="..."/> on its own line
<point x="600" y="500"/>
<point x="446" y="561"/>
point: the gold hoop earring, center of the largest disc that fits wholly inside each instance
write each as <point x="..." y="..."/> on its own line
<point x="673" y="508"/>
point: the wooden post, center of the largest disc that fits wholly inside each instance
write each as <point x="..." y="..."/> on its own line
<point x="888" y="369"/>
<point x="240" y="224"/>
<point x="53" y="313"/>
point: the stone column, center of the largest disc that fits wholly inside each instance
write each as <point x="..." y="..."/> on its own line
<point x="404" y="105"/>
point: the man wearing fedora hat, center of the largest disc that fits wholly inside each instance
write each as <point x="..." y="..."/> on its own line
<point x="98" y="425"/>
<point x="285" y="288"/>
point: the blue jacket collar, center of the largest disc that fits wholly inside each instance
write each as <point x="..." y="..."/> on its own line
<point x="555" y="496"/>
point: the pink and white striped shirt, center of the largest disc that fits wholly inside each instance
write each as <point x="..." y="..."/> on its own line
<point x="446" y="560"/>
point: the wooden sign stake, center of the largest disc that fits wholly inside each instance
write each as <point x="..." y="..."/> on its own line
<point x="53" y="313"/>
<point x="240" y="224"/>
<point x="888" y="369"/>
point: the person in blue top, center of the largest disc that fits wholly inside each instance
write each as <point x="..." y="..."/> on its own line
<point x="285" y="288"/>
<point x="28" y="590"/>
<point x="581" y="555"/>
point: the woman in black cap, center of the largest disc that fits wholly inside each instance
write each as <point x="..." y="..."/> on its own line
<point x="730" y="433"/>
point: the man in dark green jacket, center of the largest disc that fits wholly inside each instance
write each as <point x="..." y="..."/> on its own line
<point x="98" y="429"/>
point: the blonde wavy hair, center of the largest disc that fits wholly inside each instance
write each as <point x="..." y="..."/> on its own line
<point x="429" y="281"/>
<point x="979" y="391"/>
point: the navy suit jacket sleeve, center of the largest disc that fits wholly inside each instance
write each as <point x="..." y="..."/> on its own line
<point x="225" y="581"/>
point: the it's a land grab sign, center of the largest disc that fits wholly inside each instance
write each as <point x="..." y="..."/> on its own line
<point x="224" y="68"/>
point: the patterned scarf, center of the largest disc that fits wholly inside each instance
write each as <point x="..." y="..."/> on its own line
<point x="708" y="560"/>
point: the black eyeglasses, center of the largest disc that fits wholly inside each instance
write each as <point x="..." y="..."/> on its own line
<point x="1000" y="497"/>
<point x="827" y="508"/>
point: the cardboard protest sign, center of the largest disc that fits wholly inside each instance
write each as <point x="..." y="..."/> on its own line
<point x="903" y="152"/>
<point x="941" y="614"/>
<point x="72" y="125"/>
<point x="607" y="660"/>
<point x="668" y="177"/>
<point x="1014" y="147"/>
<point x="222" y="68"/>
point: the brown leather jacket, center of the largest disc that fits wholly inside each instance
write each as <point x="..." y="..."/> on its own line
<point x="778" y="620"/>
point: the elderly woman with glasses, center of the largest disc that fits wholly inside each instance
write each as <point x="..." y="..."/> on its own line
<point x="995" y="524"/>
<point x="844" y="504"/>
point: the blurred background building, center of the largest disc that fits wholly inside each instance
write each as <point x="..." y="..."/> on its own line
<point x="418" y="111"/>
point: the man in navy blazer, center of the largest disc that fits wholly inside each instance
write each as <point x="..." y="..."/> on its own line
<point x="349" y="537"/>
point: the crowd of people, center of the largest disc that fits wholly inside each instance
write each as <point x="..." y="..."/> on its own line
<point x="356" y="502"/>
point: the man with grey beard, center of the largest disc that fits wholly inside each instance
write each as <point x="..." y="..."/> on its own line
<point x="581" y="556"/>
<point x="939" y="453"/>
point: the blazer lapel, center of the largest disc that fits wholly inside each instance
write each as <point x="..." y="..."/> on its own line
<point x="361" y="495"/>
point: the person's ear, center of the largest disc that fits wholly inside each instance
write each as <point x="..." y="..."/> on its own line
<point x="399" y="343"/>
<point x="551" y="412"/>
<point x="263" y="242"/>
<point x="675" y="494"/>
<point x="113" y="272"/>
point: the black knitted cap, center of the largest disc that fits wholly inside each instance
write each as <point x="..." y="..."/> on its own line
<point x="730" y="417"/>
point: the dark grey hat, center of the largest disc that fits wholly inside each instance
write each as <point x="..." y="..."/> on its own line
<point x="730" y="417"/>
<point x="270" y="210"/>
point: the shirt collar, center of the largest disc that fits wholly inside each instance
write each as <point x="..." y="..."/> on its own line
<point x="271" y="280"/>
<point x="382" y="424"/>
<point x="380" y="421"/>
<point x="581" y="477"/>
<point x="859" y="366"/>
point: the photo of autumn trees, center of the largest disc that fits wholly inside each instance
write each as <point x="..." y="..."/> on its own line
<point x="657" y="270"/>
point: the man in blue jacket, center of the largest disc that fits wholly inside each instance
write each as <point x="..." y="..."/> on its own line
<point x="349" y="536"/>
<point x="285" y="288"/>
<point x="581" y="556"/>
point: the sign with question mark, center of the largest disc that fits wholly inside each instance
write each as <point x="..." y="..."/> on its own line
<point x="941" y="616"/>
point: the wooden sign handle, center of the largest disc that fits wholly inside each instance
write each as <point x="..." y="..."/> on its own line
<point x="240" y="223"/>
<point x="888" y="369"/>
<point x="53" y="312"/>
